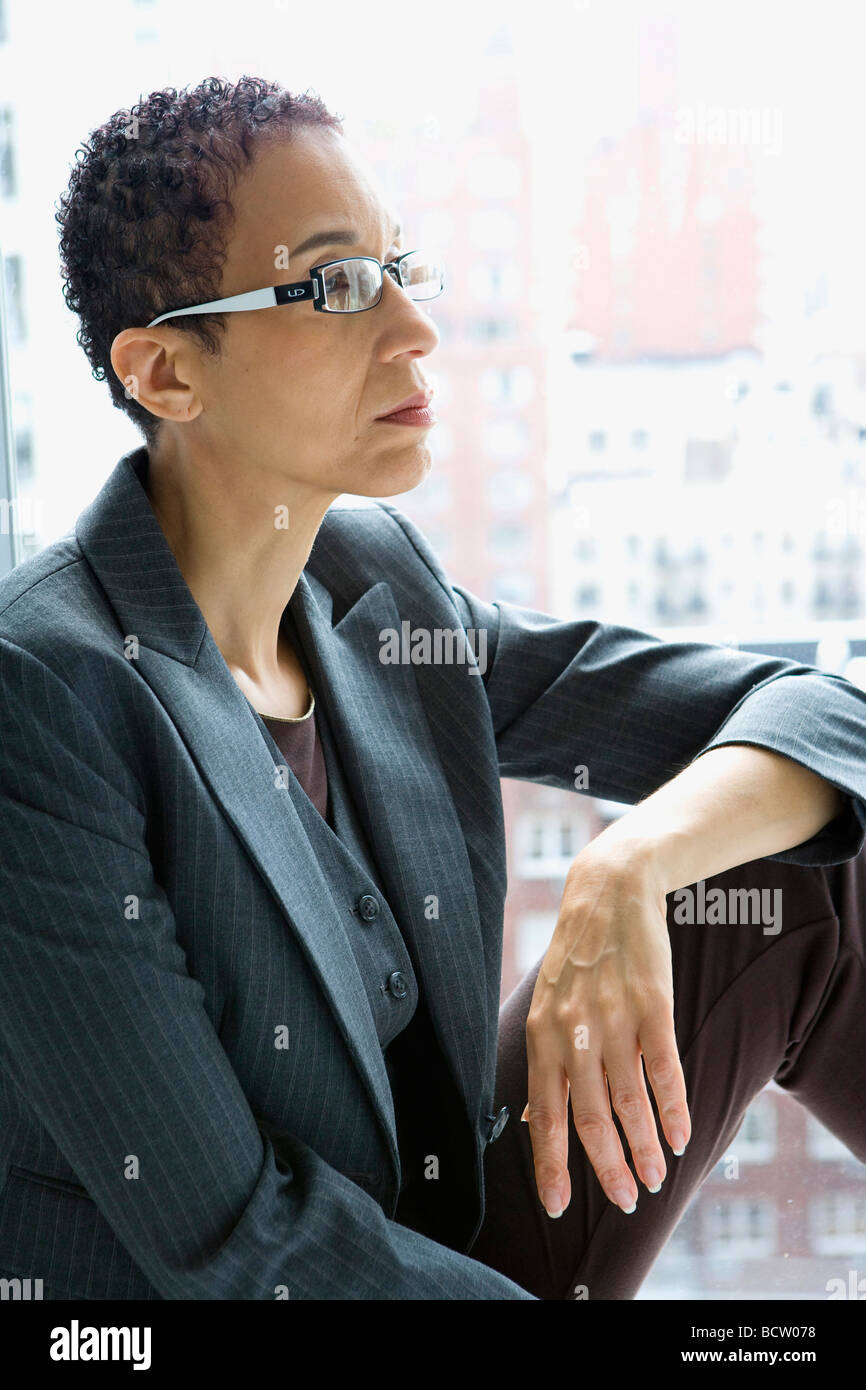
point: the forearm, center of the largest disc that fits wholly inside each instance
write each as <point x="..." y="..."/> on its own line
<point x="733" y="804"/>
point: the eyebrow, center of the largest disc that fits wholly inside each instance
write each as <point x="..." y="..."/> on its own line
<point x="334" y="236"/>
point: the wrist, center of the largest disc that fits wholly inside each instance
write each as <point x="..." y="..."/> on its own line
<point x="653" y="857"/>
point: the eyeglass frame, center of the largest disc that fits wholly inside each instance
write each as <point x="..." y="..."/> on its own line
<point x="296" y="293"/>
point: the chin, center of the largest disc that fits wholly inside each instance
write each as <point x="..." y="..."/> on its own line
<point x="396" y="475"/>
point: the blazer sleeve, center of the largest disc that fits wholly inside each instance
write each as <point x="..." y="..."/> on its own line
<point x="634" y="710"/>
<point x="104" y="1032"/>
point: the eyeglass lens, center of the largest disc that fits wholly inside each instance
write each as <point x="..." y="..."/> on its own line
<point x="352" y="285"/>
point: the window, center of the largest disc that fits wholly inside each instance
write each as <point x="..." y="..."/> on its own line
<point x="639" y="439"/>
<point x="508" y="490"/>
<point x="509" y="539"/>
<point x="507" y="385"/>
<point x="597" y="439"/>
<point x="505" y="439"/>
<point x="513" y="587"/>
<point x="696" y="604"/>
<point x="756" y="1140"/>
<point x="587" y="596"/>
<point x="740" y="1229"/>
<point x="8" y="182"/>
<point x="822" y="549"/>
<point x="492" y="330"/>
<point x="546" y="843"/>
<point x="586" y="549"/>
<point x="492" y="280"/>
<point x="837" y="1223"/>
<point x="15" y="300"/>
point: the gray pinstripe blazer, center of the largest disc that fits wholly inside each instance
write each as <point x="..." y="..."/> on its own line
<point x="163" y="907"/>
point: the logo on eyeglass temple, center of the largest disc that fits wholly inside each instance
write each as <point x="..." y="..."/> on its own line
<point x="293" y="294"/>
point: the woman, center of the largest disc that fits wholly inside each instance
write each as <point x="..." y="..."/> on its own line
<point x="252" y="896"/>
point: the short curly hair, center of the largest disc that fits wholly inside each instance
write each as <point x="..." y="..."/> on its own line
<point x="145" y="217"/>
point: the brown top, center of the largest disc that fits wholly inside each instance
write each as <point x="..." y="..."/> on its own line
<point x="298" y="741"/>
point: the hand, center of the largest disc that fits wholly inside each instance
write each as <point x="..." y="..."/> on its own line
<point x="603" y="998"/>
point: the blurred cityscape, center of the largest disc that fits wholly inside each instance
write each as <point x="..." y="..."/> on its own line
<point x="626" y="436"/>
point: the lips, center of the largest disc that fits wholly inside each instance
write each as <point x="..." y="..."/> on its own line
<point x="416" y="402"/>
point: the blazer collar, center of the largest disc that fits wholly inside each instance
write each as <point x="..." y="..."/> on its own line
<point x="392" y="766"/>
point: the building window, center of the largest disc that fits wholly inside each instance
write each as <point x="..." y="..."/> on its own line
<point x="508" y="490"/>
<point x="756" y="1140"/>
<point x="639" y="439"/>
<point x="491" y="281"/>
<point x="587" y="596"/>
<point x="8" y="182"/>
<point x="597" y="439"/>
<point x="507" y="385"/>
<point x="505" y="439"/>
<point x="837" y="1224"/>
<point x="492" y="330"/>
<point x="546" y="843"/>
<point x="740" y="1229"/>
<point x="514" y="587"/>
<point x="822" y="549"/>
<point x="633" y="545"/>
<point x="696" y="604"/>
<point x="586" y="549"/>
<point x="15" y="300"/>
<point x="508" y="539"/>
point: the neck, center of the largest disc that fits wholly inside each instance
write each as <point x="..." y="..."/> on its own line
<point x="241" y="535"/>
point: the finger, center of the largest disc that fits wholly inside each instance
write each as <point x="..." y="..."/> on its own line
<point x="663" y="1068"/>
<point x="547" y="1115"/>
<point x="629" y="1098"/>
<point x="590" y="1107"/>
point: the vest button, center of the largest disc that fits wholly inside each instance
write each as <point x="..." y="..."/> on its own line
<point x="368" y="906"/>
<point x="397" y="985"/>
<point x="496" y="1124"/>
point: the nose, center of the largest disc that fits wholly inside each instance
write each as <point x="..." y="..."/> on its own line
<point x="415" y="314"/>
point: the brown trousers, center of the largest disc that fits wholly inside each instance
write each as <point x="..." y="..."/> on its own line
<point x="749" y="1007"/>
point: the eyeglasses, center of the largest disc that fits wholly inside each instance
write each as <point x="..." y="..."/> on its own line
<point x="337" y="287"/>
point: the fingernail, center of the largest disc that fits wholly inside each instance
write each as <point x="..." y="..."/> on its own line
<point x="678" y="1142"/>
<point x="525" y="1115"/>
<point x="654" y="1180"/>
<point x="552" y="1202"/>
<point x="621" y="1197"/>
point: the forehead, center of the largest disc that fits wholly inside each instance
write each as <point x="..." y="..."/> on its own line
<point x="296" y="187"/>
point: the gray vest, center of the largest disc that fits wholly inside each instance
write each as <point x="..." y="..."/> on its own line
<point x="430" y="1120"/>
